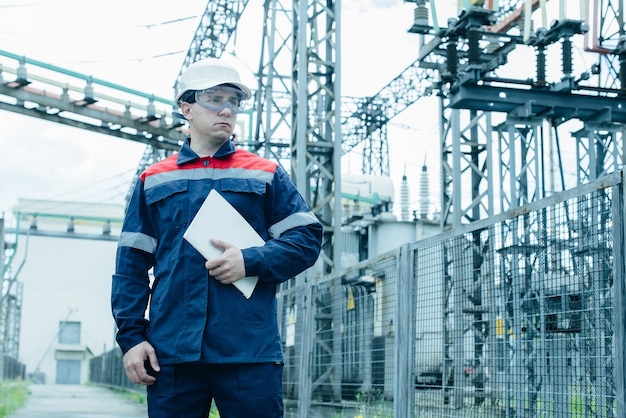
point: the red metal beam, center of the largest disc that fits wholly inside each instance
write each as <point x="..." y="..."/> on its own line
<point x="507" y="23"/>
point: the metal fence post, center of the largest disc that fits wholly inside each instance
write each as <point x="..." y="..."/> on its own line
<point x="404" y="325"/>
<point x="308" y="330"/>
<point x="619" y="283"/>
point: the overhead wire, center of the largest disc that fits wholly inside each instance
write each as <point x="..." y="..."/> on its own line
<point x="118" y="184"/>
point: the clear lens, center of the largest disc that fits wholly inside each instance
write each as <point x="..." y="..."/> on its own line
<point x="218" y="98"/>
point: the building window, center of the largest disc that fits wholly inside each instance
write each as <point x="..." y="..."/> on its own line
<point x="69" y="332"/>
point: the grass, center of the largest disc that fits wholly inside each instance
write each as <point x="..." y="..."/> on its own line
<point x="13" y="394"/>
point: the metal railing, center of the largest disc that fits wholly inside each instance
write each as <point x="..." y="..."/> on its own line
<point x="11" y="368"/>
<point x="108" y="370"/>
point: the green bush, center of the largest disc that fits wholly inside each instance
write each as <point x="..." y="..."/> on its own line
<point x="13" y="394"/>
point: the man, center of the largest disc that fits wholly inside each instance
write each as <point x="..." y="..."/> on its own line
<point x="202" y="339"/>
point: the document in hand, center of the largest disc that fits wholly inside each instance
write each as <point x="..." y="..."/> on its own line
<point x="218" y="219"/>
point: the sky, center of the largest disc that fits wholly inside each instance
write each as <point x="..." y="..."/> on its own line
<point x="141" y="44"/>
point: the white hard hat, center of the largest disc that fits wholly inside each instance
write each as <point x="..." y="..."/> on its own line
<point x="207" y="73"/>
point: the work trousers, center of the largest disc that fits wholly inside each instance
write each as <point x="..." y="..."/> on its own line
<point x="239" y="390"/>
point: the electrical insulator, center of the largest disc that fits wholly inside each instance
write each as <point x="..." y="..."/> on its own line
<point x="404" y="199"/>
<point x="424" y="193"/>
<point x="421" y="15"/>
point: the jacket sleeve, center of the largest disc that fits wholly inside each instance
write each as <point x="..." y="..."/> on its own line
<point x="296" y="235"/>
<point x="130" y="290"/>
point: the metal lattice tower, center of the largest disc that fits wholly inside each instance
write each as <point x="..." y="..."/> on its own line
<point x="273" y="124"/>
<point x="217" y="25"/>
<point x="10" y="300"/>
<point x="316" y="134"/>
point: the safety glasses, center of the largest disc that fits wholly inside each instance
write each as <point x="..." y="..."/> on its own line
<point x="221" y="97"/>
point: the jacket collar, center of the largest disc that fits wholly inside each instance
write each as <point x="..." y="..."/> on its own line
<point x="186" y="154"/>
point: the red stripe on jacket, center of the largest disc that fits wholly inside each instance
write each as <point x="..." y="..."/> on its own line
<point x="239" y="159"/>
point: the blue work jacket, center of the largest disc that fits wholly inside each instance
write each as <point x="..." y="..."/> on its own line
<point x="190" y="315"/>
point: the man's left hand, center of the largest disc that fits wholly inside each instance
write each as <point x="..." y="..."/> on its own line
<point x="228" y="267"/>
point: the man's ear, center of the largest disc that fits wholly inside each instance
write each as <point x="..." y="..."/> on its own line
<point x="185" y="110"/>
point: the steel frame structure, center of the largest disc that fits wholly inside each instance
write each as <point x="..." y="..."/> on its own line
<point x="10" y="301"/>
<point x="471" y="91"/>
<point x="475" y="45"/>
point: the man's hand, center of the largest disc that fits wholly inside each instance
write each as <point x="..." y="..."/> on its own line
<point x="228" y="267"/>
<point x="135" y="363"/>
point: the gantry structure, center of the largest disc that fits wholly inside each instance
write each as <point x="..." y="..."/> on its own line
<point x="486" y="161"/>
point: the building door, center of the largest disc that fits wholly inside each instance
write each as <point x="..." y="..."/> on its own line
<point x="68" y="372"/>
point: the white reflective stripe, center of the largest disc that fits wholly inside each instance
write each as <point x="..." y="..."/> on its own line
<point x="138" y="240"/>
<point x="292" y="221"/>
<point x="165" y="177"/>
<point x="243" y="173"/>
<point x="207" y="173"/>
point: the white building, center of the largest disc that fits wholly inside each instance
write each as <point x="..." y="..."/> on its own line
<point x="66" y="282"/>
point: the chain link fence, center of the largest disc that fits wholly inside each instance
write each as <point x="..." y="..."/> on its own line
<point x="519" y="315"/>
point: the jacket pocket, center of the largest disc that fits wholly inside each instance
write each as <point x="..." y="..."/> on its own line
<point x="170" y="204"/>
<point x="253" y="186"/>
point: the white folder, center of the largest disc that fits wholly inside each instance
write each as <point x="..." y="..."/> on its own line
<point x="218" y="219"/>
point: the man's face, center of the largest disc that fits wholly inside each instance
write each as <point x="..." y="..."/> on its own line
<point x="213" y="113"/>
